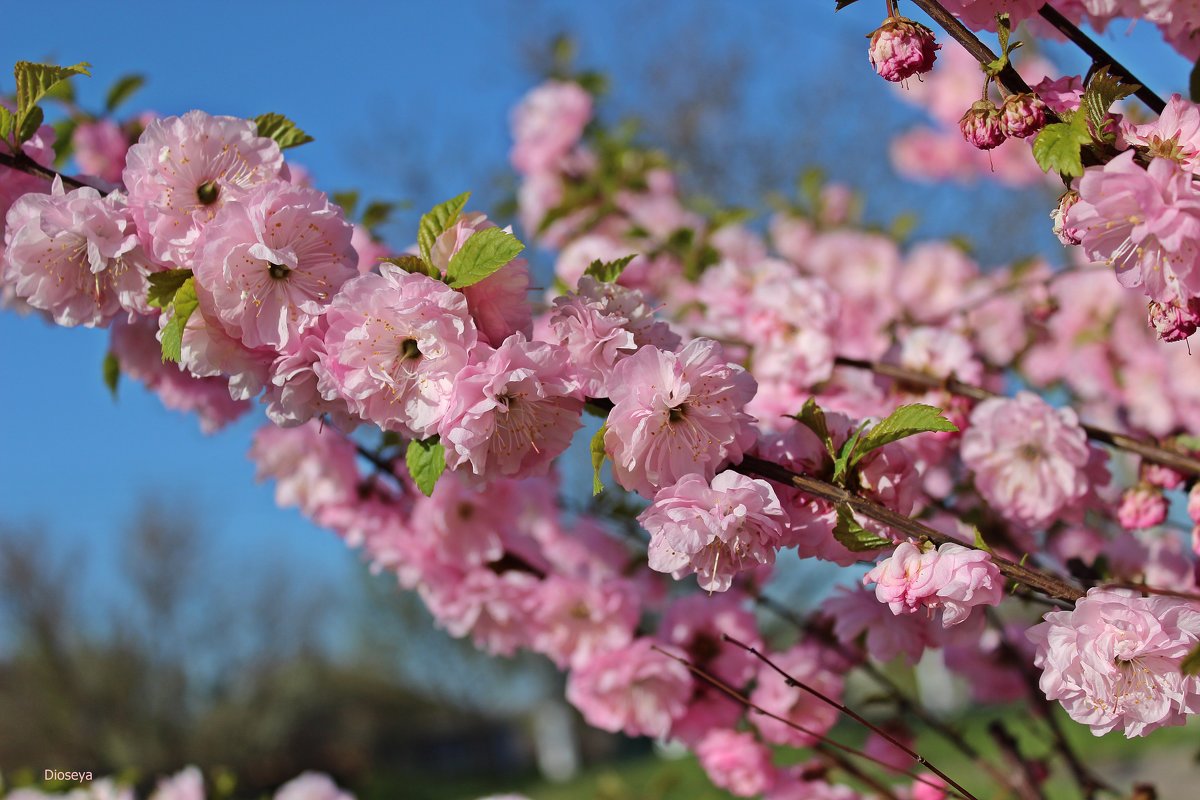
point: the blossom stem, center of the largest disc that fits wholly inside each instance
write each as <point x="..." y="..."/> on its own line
<point x="845" y="709"/>
<point x="1147" y="450"/>
<point x="734" y="694"/>
<point x="1101" y="57"/>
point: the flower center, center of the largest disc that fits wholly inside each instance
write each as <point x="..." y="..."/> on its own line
<point x="677" y="413"/>
<point x="208" y="192"/>
<point x="408" y="348"/>
<point x="278" y="271"/>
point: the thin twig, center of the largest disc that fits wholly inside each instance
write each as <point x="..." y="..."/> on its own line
<point x="845" y="709"/>
<point x="737" y="696"/>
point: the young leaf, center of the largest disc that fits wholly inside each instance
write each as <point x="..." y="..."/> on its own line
<point x="439" y="218"/>
<point x="812" y="417"/>
<point x="842" y="461"/>
<point x="905" y="421"/>
<point x="483" y="253"/>
<point x="426" y="462"/>
<point x="30" y="124"/>
<point x="1191" y="663"/>
<point x="608" y="271"/>
<point x="1102" y="91"/>
<point x="122" y="90"/>
<point x="34" y="81"/>
<point x="112" y="372"/>
<point x="980" y="543"/>
<point x="855" y="537"/>
<point x="411" y="263"/>
<point x="182" y="305"/>
<point x="164" y="285"/>
<point x="347" y="201"/>
<point x="598" y="456"/>
<point x="376" y="214"/>
<point x="1058" y="147"/>
<point x="7" y="122"/>
<point x="278" y="127"/>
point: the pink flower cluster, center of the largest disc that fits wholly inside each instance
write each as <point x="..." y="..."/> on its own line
<point x="951" y="577"/>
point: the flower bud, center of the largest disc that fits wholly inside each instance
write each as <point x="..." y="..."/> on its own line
<point x="1142" y="506"/>
<point x="1024" y="115"/>
<point x="983" y="125"/>
<point x="1066" y="233"/>
<point x="1193" y="507"/>
<point x="901" y="48"/>
<point x="1160" y="476"/>
<point x="1174" y="321"/>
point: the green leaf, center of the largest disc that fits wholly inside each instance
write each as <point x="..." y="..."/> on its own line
<point x="122" y="90"/>
<point x="608" y="271"/>
<point x="347" y="201"/>
<point x="905" y="421"/>
<point x="7" y="122"/>
<point x="285" y="132"/>
<point x="482" y="253"/>
<point x="164" y="285"/>
<point x="30" y="124"/>
<point x="1058" y="147"/>
<point x="1102" y="91"/>
<point x="812" y="417"/>
<point x="980" y="543"/>
<point x="376" y="214"/>
<point x="1187" y="441"/>
<point x="1191" y="663"/>
<point x="411" y="263"/>
<point x="598" y="456"/>
<point x="842" y="462"/>
<point x="34" y="81"/>
<point x="1003" y="31"/>
<point x="64" y="129"/>
<point x="182" y="305"/>
<point x="112" y="372"/>
<point x="855" y="537"/>
<point x="426" y="462"/>
<point x="439" y="218"/>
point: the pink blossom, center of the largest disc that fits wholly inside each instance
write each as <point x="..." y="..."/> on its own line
<point x="1175" y="321"/>
<point x="1143" y="222"/>
<point x="574" y="621"/>
<point x="807" y="665"/>
<point x="311" y="786"/>
<point x="697" y="623"/>
<point x="1174" y="135"/>
<point x="1029" y="459"/>
<point x="100" y="148"/>
<point x="183" y="170"/>
<point x="187" y="784"/>
<point x="1113" y="661"/>
<point x="512" y="410"/>
<point x="901" y="48"/>
<point x="273" y="261"/>
<point x="140" y="357"/>
<point x="75" y="255"/>
<point x="675" y="414"/>
<point x="1023" y="115"/>
<point x="547" y="123"/>
<point x="601" y="324"/>
<point x="294" y="396"/>
<point x="715" y="530"/>
<point x="499" y="303"/>
<point x="209" y="350"/>
<point x="313" y="466"/>
<point x="1142" y="506"/>
<point x="1160" y="476"/>
<point x="1068" y="234"/>
<point x="635" y="689"/>
<point x="858" y="612"/>
<point x="1062" y="95"/>
<point x="737" y="762"/>
<point x="952" y="577"/>
<point x="395" y="343"/>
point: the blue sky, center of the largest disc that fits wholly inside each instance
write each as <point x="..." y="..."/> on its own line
<point x="406" y="101"/>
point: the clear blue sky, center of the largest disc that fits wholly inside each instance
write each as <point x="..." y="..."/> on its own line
<point x="383" y="87"/>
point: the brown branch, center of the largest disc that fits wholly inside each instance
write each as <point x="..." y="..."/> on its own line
<point x="1046" y="583"/>
<point x="1101" y="57"/>
<point x="1009" y="79"/>
<point x="23" y="163"/>
<point x="1174" y="459"/>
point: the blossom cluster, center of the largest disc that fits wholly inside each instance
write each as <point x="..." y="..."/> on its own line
<point x="419" y="402"/>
